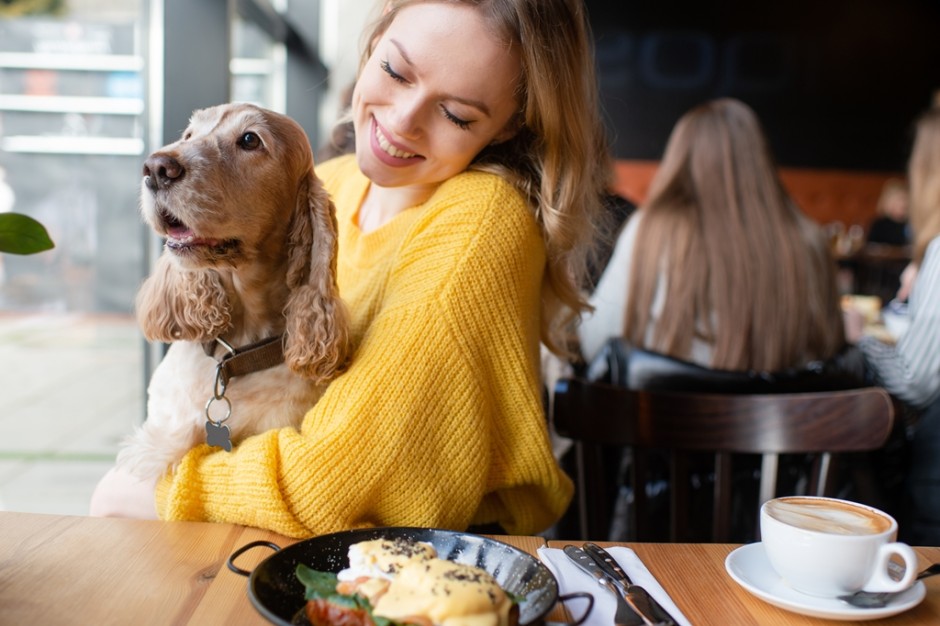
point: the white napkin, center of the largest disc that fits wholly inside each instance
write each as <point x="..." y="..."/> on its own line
<point x="572" y="578"/>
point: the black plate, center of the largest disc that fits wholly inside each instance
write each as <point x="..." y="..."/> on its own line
<point x="277" y="594"/>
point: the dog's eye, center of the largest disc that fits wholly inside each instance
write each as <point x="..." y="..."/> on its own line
<point x="187" y="135"/>
<point x="249" y="141"/>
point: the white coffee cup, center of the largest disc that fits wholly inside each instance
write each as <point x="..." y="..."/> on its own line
<point x="829" y="547"/>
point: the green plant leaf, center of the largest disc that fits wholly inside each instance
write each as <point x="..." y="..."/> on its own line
<point x="319" y="584"/>
<point x="21" y="234"/>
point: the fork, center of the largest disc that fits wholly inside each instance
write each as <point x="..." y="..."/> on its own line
<point x="879" y="599"/>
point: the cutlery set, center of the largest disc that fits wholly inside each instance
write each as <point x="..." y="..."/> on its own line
<point x="635" y="606"/>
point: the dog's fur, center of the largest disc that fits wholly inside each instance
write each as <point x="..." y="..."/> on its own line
<point x="250" y="253"/>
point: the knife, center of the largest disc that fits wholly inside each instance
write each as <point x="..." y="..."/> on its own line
<point x="625" y="615"/>
<point x="638" y="597"/>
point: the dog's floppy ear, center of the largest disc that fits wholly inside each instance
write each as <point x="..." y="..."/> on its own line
<point x="316" y="342"/>
<point x="175" y="304"/>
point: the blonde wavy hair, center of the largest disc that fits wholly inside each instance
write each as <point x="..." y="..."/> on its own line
<point x="924" y="174"/>
<point x="559" y="157"/>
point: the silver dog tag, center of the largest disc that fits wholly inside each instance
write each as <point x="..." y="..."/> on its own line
<point x="218" y="435"/>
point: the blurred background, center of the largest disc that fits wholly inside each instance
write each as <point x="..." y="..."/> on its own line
<point x="88" y="88"/>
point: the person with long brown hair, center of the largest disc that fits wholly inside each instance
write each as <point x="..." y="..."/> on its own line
<point x="464" y="220"/>
<point x="719" y="266"/>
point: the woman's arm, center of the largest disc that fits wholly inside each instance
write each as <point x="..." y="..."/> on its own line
<point x="911" y="369"/>
<point x="908" y="276"/>
<point x="438" y="420"/>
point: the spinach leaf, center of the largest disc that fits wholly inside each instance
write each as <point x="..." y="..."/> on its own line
<point x="322" y="586"/>
<point x="318" y="584"/>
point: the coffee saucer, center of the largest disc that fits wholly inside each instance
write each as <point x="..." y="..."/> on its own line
<point x="749" y="567"/>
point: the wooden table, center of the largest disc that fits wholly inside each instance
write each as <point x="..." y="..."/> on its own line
<point x="694" y="576"/>
<point x="82" y="570"/>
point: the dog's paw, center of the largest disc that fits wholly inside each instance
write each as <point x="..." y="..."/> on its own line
<point x="149" y="454"/>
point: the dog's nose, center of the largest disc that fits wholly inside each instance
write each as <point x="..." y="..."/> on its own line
<point x="161" y="170"/>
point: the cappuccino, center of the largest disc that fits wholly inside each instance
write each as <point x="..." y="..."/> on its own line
<point x="828" y="516"/>
<point x="827" y="547"/>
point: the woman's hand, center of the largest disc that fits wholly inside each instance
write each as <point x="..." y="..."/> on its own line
<point x="854" y="322"/>
<point x="121" y="494"/>
<point x="908" y="276"/>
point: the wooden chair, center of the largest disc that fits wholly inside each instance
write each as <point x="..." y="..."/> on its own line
<point x="597" y="415"/>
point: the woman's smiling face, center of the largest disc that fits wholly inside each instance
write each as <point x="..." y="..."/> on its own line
<point x="437" y="89"/>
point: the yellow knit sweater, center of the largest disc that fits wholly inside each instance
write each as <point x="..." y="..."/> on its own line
<point x="438" y="420"/>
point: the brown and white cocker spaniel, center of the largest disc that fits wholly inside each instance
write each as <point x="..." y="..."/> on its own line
<point x="244" y="291"/>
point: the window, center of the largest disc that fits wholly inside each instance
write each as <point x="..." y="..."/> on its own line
<point x="85" y="94"/>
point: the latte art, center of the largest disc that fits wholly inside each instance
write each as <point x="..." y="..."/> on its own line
<point x="828" y="547"/>
<point x="828" y="516"/>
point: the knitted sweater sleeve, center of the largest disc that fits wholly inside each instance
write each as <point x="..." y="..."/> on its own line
<point x="438" y="420"/>
<point x="910" y="370"/>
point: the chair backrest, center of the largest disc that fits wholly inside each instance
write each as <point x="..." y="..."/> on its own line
<point x="596" y="415"/>
<point x="620" y="363"/>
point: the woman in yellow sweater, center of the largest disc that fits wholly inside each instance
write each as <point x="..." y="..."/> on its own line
<point x="465" y="218"/>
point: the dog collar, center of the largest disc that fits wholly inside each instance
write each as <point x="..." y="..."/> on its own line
<point x="236" y="362"/>
<point x="248" y="359"/>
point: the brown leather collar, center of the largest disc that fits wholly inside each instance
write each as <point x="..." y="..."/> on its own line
<point x="246" y="360"/>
